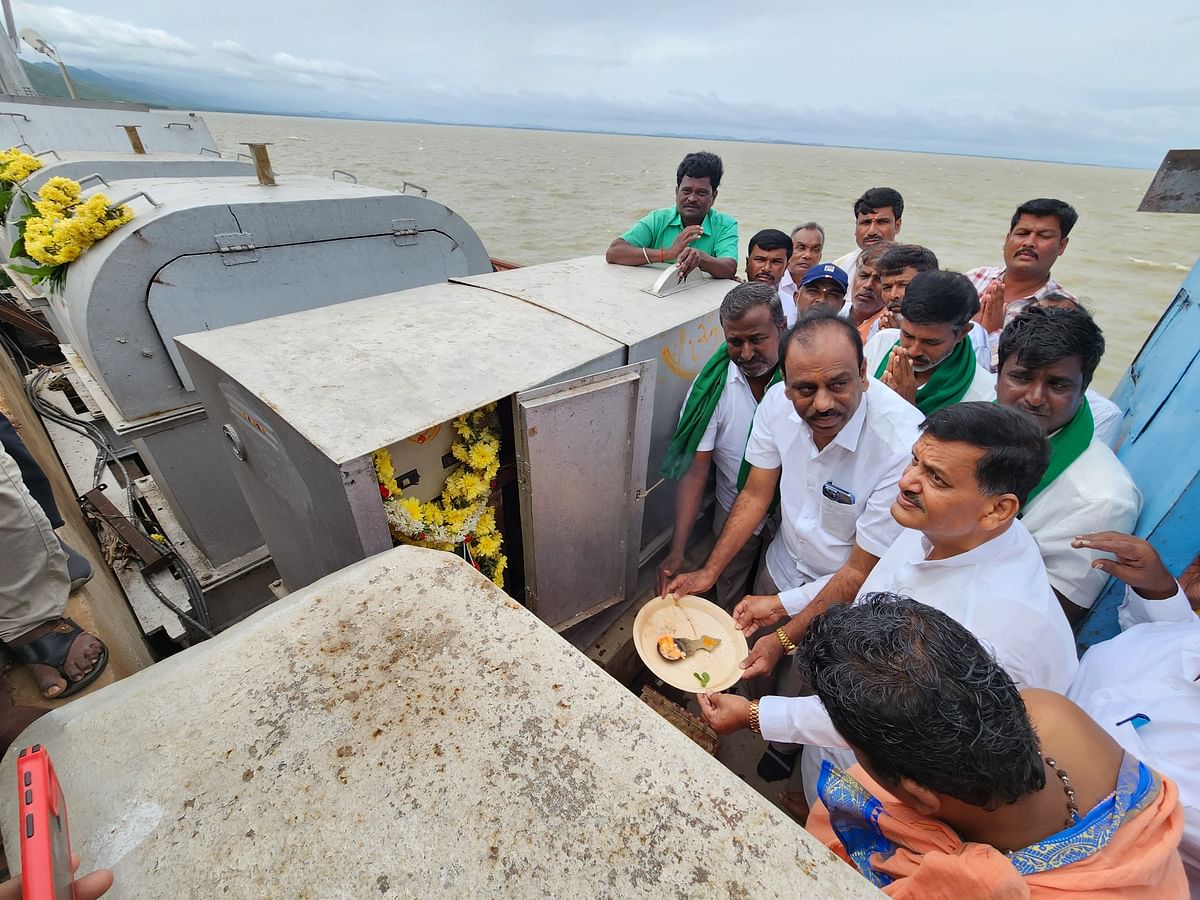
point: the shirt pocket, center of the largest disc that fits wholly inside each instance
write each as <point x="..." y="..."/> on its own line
<point x="839" y="519"/>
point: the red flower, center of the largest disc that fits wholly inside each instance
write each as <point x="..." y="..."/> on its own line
<point x="384" y="492"/>
<point x="468" y="538"/>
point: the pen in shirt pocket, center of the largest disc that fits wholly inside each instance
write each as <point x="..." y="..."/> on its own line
<point x="837" y="494"/>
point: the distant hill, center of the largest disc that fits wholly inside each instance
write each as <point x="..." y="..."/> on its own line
<point x="92" y="85"/>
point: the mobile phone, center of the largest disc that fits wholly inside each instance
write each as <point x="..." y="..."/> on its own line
<point x="837" y="494"/>
<point x="45" y="837"/>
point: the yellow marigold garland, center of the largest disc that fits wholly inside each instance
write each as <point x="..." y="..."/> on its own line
<point x="16" y="165"/>
<point x="62" y="228"/>
<point x="460" y="518"/>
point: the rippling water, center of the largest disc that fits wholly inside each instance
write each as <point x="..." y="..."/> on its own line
<point x="538" y="196"/>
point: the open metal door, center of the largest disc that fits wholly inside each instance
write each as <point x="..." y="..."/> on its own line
<point x="582" y="447"/>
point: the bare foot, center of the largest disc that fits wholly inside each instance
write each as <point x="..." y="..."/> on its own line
<point x="81" y="657"/>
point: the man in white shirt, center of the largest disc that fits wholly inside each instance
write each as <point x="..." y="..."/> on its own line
<point x="1107" y="415"/>
<point x="929" y="360"/>
<point x="865" y="300"/>
<point x="876" y="218"/>
<point x="1143" y="686"/>
<point x="962" y="551"/>
<point x="1047" y="358"/>
<point x="808" y="243"/>
<point x="834" y="442"/>
<point x="767" y="256"/>
<point x="714" y="424"/>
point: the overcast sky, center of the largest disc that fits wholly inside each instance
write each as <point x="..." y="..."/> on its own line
<point x="1099" y="82"/>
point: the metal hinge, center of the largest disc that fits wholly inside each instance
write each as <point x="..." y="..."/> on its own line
<point x="236" y="248"/>
<point x="404" y="232"/>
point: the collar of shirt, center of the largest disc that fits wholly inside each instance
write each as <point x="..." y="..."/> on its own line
<point x="705" y="223"/>
<point x="969" y="558"/>
<point x="850" y="433"/>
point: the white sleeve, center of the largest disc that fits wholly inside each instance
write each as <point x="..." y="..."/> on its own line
<point x="1070" y="569"/>
<point x="1137" y="610"/>
<point x="761" y="450"/>
<point x="876" y="529"/>
<point x="708" y="440"/>
<point x="798" y="720"/>
<point x="798" y="598"/>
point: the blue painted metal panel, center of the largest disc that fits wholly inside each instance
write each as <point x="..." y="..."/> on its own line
<point x="1161" y="397"/>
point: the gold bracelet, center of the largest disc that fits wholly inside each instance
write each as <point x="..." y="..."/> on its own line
<point x="754" y="726"/>
<point x="789" y="646"/>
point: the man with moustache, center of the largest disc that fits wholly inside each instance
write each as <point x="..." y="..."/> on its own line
<point x="808" y="243"/>
<point x="897" y="268"/>
<point x="691" y="233"/>
<point x="865" y="298"/>
<point x="960" y="549"/>
<point x="876" y="218"/>
<point x="715" y="423"/>
<point x="1047" y="358"/>
<point x="1037" y="236"/>
<point x="929" y="360"/>
<point x="767" y="256"/>
<point x="834" y="443"/>
<point x="823" y="287"/>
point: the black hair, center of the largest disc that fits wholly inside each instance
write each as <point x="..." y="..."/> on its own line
<point x="939" y="298"/>
<point x="811" y="323"/>
<point x="1046" y="206"/>
<point x="771" y="239"/>
<point x="1016" y="452"/>
<point x="905" y="256"/>
<point x="745" y="297"/>
<point x="878" y="198"/>
<point x="919" y="697"/>
<point x="871" y="254"/>
<point x="701" y="165"/>
<point x="1041" y="336"/>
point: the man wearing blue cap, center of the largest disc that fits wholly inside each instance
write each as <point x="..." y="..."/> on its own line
<point x="822" y="287"/>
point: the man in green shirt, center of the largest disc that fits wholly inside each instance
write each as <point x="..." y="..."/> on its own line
<point x="691" y="233"/>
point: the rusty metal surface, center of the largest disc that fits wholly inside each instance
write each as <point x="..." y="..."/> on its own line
<point x="404" y="729"/>
<point x="1176" y="185"/>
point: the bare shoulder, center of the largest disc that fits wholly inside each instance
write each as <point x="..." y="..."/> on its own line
<point x="1080" y="746"/>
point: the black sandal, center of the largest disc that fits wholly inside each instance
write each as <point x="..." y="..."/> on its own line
<point x="53" y="648"/>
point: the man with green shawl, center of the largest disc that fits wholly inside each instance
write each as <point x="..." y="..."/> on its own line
<point x="929" y="360"/>
<point x="1047" y="359"/>
<point x="715" y="423"/>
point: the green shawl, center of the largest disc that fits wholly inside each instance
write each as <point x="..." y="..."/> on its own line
<point x="1066" y="446"/>
<point x="697" y="413"/>
<point x="947" y="383"/>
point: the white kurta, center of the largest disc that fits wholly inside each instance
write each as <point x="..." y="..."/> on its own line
<point x="866" y="459"/>
<point x="983" y="384"/>
<point x="1094" y="493"/>
<point x="1151" y="669"/>
<point x="997" y="591"/>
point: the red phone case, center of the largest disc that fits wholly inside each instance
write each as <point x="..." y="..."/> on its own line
<point x="45" y="837"/>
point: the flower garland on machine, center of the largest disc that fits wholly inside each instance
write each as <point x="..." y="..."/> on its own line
<point x="460" y="520"/>
<point x="15" y="167"/>
<point x="62" y="228"/>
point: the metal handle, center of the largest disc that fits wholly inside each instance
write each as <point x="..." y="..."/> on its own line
<point x="187" y="125"/>
<point x="95" y="176"/>
<point x="134" y="196"/>
<point x="337" y="172"/>
<point x="16" y="115"/>
<point x="48" y="152"/>
<point x="245" y="156"/>
<point x="216" y="153"/>
<point x="234" y="441"/>
<point x="408" y="184"/>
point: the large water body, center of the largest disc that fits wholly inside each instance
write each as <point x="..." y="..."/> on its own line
<point x="540" y="196"/>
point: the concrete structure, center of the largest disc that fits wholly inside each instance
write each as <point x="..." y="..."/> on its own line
<point x="404" y="729"/>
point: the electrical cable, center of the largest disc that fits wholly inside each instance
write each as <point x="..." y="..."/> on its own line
<point x="108" y="455"/>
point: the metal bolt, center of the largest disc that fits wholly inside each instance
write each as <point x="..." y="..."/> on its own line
<point x="147" y="352"/>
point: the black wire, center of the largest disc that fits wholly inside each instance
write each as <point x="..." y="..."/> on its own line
<point x="107" y="454"/>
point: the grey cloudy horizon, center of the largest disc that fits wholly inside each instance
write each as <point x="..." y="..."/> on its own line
<point x="1102" y="82"/>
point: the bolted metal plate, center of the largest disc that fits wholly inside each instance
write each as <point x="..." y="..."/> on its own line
<point x="1176" y="185"/>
